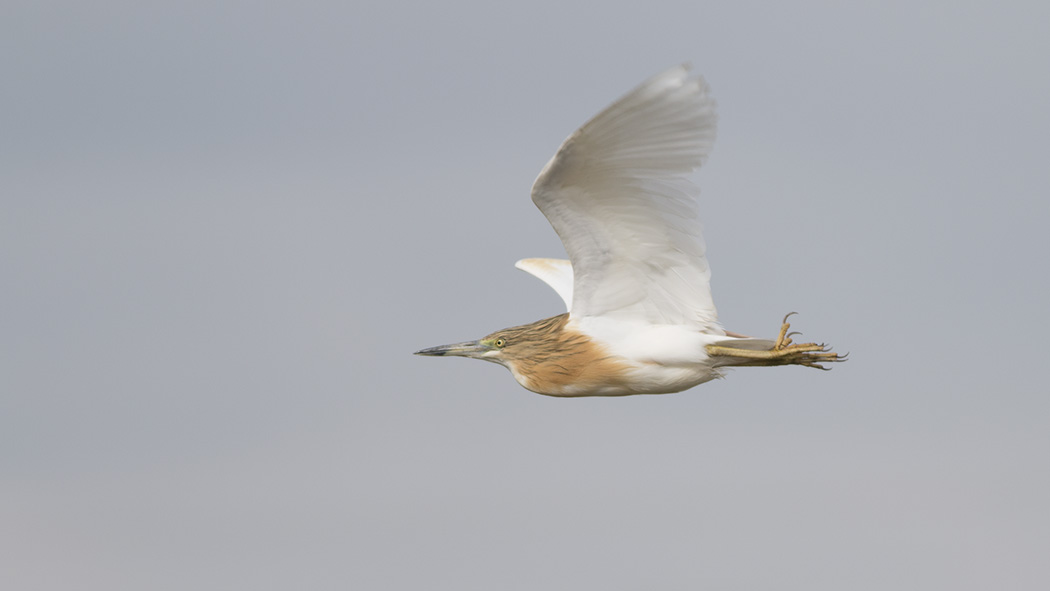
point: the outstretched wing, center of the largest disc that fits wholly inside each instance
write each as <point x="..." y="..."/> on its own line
<point x="618" y="195"/>
<point x="556" y="273"/>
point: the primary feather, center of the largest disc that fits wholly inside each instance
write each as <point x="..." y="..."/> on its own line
<point x="617" y="194"/>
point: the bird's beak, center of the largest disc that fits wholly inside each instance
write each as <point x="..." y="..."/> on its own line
<point x="468" y="349"/>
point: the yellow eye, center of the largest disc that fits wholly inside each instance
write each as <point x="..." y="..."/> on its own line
<point x="499" y="343"/>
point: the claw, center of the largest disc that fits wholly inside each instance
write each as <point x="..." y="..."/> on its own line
<point x="789" y="315"/>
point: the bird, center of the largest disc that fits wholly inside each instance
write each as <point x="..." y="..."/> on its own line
<point x="640" y="316"/>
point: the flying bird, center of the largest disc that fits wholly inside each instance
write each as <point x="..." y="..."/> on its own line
<point x="640" y="317"/>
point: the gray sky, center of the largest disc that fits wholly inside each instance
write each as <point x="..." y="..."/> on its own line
<point x="224" y="229"/>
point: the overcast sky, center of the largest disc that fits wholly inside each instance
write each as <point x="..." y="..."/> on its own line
<point x="224" y="227"/>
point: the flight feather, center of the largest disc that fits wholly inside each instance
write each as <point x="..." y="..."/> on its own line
<point x="617" y="193"/>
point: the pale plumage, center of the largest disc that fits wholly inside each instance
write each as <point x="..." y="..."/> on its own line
<point x="618" y="196"/>
<point x="641" y="317"/>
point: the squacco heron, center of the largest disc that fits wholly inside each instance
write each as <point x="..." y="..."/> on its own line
<point x="640" y="318"/>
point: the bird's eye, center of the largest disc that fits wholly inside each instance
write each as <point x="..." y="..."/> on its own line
<point x="499" y="343"/>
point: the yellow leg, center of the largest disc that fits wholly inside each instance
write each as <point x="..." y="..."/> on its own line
<point x="784" y="351"/>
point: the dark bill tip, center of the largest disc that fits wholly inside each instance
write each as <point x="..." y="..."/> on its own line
<point x="431" y="351"/>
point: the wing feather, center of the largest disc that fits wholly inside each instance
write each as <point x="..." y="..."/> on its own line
<point x="556" y="273"/>
<point x="618" y="195"/>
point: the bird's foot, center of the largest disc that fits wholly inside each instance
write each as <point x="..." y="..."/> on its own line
<point x="784" y="351"/>
<point x="807" y="354"/>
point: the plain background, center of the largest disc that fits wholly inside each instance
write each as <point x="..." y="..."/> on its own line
<point x="224" y="227"/>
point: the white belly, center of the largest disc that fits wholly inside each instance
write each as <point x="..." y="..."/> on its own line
<point x="662" y="359"/>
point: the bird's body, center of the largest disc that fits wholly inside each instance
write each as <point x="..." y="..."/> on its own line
<point x="592" y="357"/>
<point x="641" y="317"/>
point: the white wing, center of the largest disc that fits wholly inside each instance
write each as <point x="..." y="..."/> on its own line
<point x="618" y="196"/>
<point x="556" y="273"/>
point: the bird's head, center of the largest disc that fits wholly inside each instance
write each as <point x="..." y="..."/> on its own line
<point x="510" y="347"/>
<point x="491" y="348"/>
<point x="549" y="357"/>
<point x="503" y="347"/>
